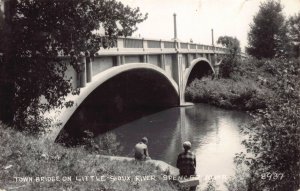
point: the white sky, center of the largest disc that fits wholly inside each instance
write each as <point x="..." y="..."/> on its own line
<point x="196" y="18"/>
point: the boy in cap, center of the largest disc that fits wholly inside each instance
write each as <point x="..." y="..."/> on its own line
<point x="186" y="161"/>
<point x="141" y="150"/>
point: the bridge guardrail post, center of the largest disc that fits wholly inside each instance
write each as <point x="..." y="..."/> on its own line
<point x="145" y="44"/>
<point x="120" y="43"/>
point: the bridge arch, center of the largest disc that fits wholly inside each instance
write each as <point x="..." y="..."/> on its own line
<point x="198" y="68"/>
<point x="104" y="77"/>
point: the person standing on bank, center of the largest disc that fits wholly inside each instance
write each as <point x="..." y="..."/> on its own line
<point x="186" y="161"/>
<point x="141" y="150"/>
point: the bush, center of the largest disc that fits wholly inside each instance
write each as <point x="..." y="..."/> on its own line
<point x="273" y="138"/>
<point x="228" y="66"/>
<point x="239" y="181"/>
<point x="227" y="93"/>
<point x="106" y="144"/>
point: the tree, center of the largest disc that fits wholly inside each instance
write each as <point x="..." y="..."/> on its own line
<point x="231" y="43"/>
<point x="37" y="33"/>
<point x="273" y="138"/>
<point x="267" y="37"/>
<point x="294" y="34"/>
<point x="229" y="62"/>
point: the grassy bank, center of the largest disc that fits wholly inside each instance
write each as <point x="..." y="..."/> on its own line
<point x="24" y="156"/>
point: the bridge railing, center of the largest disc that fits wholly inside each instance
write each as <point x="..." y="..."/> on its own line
<point x="138" y="44"/>
<point x="131" y="45"/>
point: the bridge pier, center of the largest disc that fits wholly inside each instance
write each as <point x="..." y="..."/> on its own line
<point x="89" y="64"/>
<point x="81" y="76"/>
<point x="209" y="58"/>
<point x="178" y="73"/>
<point x="216" y="65"/>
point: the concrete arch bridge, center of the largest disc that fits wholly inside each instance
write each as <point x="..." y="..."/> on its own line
<point x="137" y="73"/>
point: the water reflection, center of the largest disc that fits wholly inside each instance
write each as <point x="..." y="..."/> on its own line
<point x="213" y="132"/>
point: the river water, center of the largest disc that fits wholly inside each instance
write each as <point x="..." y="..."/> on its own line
<point x="213" y="132"/>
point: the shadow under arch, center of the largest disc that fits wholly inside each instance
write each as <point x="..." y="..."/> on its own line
<point x="116" y="96"/>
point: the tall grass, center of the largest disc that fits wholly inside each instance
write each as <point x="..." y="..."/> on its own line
<point x="25" y="156"/>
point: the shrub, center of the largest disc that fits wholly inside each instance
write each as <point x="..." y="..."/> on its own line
<point x="273" y="138"/>
<point x="228" y="66"/>
<point x="227" y="93"/>
<point x="239" y="181"/>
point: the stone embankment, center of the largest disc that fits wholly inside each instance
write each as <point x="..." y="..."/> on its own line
<point x="165" y="167"/>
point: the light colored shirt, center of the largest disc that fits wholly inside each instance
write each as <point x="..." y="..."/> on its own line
<point x="141" y="151"/>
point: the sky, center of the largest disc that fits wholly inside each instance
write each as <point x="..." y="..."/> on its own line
<point x="196" y="18"/>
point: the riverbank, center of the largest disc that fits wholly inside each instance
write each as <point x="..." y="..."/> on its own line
<point x="227" y="93"/>
<point x="245" y="89"/>
<point x="272" y="89"/>
<point x="30" y="164"/>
